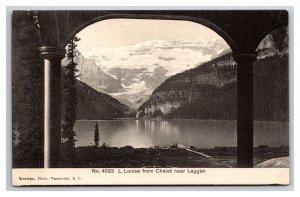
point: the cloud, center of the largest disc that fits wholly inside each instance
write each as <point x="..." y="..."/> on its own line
<point x="166" y="58"/>
<point x="140" y="51"/>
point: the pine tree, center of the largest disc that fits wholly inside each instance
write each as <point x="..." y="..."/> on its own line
<point x="27" y="90"/>
<point x="70" y="99"/>
<point x="96" y="135"/>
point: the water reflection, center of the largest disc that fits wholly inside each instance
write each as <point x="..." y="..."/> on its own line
<point x="163" y="133"/>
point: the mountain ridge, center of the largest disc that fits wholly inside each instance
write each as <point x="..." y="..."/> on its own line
<point x="209" y="91"/>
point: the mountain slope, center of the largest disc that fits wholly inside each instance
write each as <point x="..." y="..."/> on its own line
<point x="209" y="91"/>
<point x="94" y="105"/>
<point x="97" y="105"/>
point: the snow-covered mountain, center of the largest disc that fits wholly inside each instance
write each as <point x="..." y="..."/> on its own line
<point x="131" y="73"/>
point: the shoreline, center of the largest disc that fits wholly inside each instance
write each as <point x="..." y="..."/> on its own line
<point x="129" y="157"/>
<point x="153" y="119"/>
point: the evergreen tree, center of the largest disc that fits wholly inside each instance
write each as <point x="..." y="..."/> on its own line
<point x="27" y="90"/>
<point x="96" y="135"/>
<point x="70" y="99"/>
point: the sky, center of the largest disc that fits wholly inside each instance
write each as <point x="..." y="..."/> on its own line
<point x="122" y="32"/>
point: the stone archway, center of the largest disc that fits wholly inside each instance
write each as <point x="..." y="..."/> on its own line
<point x="242" y="30"/>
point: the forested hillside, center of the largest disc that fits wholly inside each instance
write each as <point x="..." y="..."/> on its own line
<point x="209" y="90"/>
<point x="97" y="105"/>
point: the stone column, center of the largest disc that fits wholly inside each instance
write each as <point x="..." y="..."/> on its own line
<point x="245" y="109"/>
<point x="52" y="104"/>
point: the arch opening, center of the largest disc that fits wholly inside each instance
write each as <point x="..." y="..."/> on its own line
<point x="271" y="95"/>
<point x="277" y="40"/>
<point x="141" y="54"/>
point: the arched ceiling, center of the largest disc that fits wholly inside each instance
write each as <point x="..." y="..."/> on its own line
<point x="241" y="29"/>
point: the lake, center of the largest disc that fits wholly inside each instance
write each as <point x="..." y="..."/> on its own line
<point x="163" y="133"/>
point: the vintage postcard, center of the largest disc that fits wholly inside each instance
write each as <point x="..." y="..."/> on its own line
<point x="150" y="97"/>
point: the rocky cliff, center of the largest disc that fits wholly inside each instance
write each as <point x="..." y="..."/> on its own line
<point x="95" y="77"/>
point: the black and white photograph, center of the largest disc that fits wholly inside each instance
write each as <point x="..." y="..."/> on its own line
<point x="150" y="93"/>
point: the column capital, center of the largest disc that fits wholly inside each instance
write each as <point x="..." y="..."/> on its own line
<point x="48" y="52"/>
<point x="249" y="57"/>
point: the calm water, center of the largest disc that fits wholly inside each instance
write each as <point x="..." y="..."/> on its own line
<point x="163" y="133"/>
